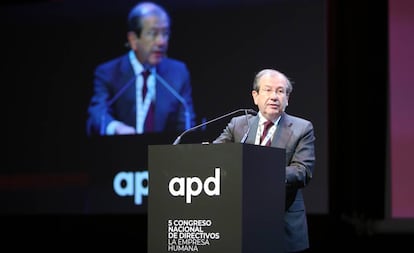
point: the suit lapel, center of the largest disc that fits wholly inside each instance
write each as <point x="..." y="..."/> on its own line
<point x="283" y="132"/>
<point x="127" y="75"/>
<point x="254" y="122"/>
<point x="161" y="104"/>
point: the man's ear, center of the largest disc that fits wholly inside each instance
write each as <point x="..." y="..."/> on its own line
<point x="132" y="39"/>
<point x="254" y="95"/>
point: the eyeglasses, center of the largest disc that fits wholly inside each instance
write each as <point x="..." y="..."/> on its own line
<point x="269" y="91"/>
<point x="154" y="33"/>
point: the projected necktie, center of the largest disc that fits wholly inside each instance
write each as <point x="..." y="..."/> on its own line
<point x="149" y="120"/>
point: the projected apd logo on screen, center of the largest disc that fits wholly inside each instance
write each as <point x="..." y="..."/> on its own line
<point x="129" y="183"/>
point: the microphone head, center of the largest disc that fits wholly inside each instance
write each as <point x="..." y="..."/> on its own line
<point x="251" y="111"/>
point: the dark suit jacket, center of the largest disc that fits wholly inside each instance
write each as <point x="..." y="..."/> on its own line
<point x="117" y="74"/>
<point x="296" y="136"/>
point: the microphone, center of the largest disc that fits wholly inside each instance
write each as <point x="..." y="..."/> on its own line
<point x="178" y="139"/>
<point x="178" y="96"/>
<point x="243" y="140"/>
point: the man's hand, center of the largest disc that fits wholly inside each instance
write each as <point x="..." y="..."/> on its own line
<point x="124" y="129"/>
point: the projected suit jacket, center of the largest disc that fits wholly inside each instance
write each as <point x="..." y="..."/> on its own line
<point x="117" y="74"/>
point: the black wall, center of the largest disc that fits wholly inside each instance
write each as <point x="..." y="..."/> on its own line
<point x="358" y="87"/>
<point x="52" y="49"/>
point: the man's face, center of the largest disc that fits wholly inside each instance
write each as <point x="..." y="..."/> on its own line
<point x="151" y="46"/>
<point x="271" y="98"/>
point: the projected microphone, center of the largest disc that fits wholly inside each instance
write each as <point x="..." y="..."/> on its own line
<point x="178" y="139"/>
<point x="178" y="96"/>
<point x="110" y="102"/>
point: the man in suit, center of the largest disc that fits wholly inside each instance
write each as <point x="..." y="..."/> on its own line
<point x="143" y="90"/>
<point x="271" y="91"/>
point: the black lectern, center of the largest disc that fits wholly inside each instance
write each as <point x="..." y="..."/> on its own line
<point x="216" y="198"/>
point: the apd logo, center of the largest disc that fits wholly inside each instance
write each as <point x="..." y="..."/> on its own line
<point x="189" y="187"/>
<point x="135" y="183"/>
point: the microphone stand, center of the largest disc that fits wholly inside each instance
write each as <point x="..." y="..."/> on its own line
<point x="179" y="97"/>
<point x="178" y="139"/>
<point x="243" y="140"/>
<point x="110" y="102"/>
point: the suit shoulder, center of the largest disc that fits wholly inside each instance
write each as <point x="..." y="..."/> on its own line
<point x="241" y="119"/>
<point x="297" y="120"/>
<point x="118" y="61"/>
<point x="174" y="62"/>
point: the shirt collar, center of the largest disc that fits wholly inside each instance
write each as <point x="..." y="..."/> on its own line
<point x="136" y="65"/>
<point x="262" y="119"/>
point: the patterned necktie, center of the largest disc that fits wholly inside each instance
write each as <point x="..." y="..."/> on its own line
<point x="266" y="126"/>
<point x="149" y="120"/>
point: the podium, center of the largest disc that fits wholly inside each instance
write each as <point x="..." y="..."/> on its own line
<point x="217" y="198"/>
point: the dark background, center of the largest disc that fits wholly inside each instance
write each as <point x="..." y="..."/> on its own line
<point x="53" y="48"/>
<point x="58" y="87"/>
